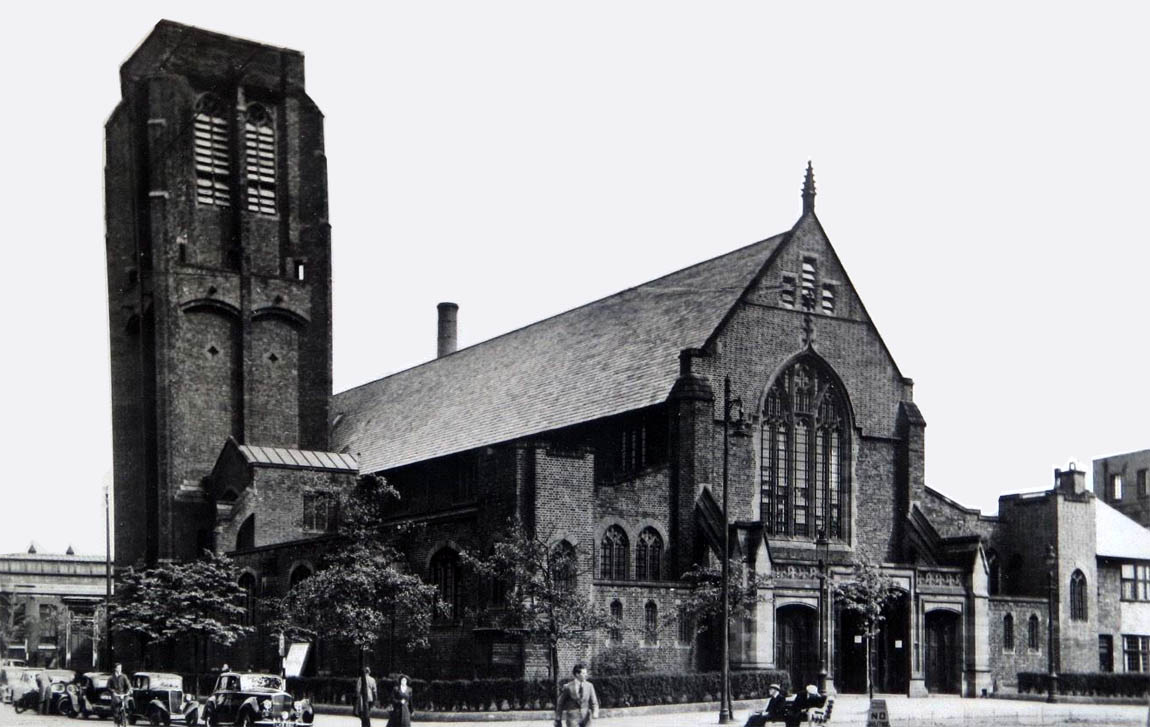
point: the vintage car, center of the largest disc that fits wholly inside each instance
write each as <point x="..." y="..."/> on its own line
<point x="159" y="698"/>
<point x="15" y="681"/>
<point x="60" y="697"/>
<point x="93" y="696"/>
<point x="245" y="700"/>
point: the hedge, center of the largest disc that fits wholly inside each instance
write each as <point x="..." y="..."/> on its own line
<point x="1099" y="684"/>
<point x="502" y="694"/>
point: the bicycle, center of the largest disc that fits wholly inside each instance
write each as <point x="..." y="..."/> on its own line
<point x="120" y="709"/>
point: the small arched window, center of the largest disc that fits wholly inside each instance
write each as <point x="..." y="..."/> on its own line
<point x="1008" y="632"/>
<point x="651" y="623"/>
<point x="246" y="537"/>
<point x="994" y="584"/>
<point x="1032" y="632"/>
<point x="248" y="584"/>
<point x="613" y="554"/>
<point x="563" y="566"/>
<point x="1077" y="596"/>
<point x="616" y="633"/>
<point x="686" y="626"/>
<point x="298" y="575"/>
<point x="212" y="151"/>
<point x="648" y="556"/>
<point x="445" y="575"/>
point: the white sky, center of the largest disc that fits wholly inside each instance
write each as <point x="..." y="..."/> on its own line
<point x="981" y="168"/>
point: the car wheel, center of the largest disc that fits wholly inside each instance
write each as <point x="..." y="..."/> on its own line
<point x="210" y="719"/>
<point x="64" y="707"/>
<point x="245" y="720"/>
<point x="154" y="717"/>
<point x="190" y="718"/>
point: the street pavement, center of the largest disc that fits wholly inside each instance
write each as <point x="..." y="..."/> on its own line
<point x="849" y="710"/>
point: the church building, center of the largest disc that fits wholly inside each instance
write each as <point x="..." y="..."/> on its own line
<point x="609" y="429"/>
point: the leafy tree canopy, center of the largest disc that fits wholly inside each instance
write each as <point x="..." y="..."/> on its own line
<point x="704" y="602"/>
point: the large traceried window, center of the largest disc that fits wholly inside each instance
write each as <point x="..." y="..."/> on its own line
<point x="212" y="152"/>
<point x="805" y="476"/>
<point x="613" y="554"/>
<point x="648" y="556"/>
<point x="260" y="159"/>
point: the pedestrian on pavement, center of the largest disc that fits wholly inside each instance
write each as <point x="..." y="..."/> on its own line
<point x="400" y="703"/>
<point x="364" y="697"/>
<point x="577" y="704"/>
<point x="44" y="687"/>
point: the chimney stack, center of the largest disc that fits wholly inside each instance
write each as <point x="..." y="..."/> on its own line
<point x="447" y="316"/>
<point x="1071" y="481"/>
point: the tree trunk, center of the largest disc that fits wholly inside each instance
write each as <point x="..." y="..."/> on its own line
<point x="869" y="665"/>
<point x="553" y="667"/>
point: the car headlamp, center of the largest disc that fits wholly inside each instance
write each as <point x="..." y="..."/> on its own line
<point x="266" y="705"/>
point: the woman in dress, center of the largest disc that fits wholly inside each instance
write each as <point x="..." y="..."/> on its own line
<point x="400" y="703"/>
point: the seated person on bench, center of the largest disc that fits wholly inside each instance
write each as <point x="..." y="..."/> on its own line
<point x="808" y="699"/>
<point x="774" y="711"/>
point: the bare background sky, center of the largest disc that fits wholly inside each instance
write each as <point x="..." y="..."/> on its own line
<point x="981" y="169"/>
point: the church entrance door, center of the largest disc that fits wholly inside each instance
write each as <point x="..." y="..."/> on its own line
<point x="796" y="638"/>
<point x="942" y="653"/>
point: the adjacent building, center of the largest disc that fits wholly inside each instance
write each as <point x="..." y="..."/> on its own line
<point x="1121" y="480"/>
<point x="48" y="607"/>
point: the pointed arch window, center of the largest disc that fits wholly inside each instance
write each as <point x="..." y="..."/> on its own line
<point x="1008" y="632"/>
<point x="651" y="623"/>
<point x="445" y="575"/>
<point x="563" y="566"/>
<point x="648" y="556"/>
<point x="616" y="631"/>
<point x="1032" y="632"/>
<point x="805" y="472"/>
<point x="260" y="159"/>
<point x="212" y="151"/>
<point x="613" y="554"/>
<point x="1077" y="596"/>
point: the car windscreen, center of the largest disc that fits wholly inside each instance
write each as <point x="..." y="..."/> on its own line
<point x="98" y="682"/>
<point x="166" y="682"/>
<point x="263" y="682"/>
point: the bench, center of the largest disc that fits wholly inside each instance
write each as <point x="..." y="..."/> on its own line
<point x="821" y="715"/>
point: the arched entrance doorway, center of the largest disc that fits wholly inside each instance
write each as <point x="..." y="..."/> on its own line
<point x="943" y="652"/>
<point x="891" y="657"/>
<point x="796" y="639"/>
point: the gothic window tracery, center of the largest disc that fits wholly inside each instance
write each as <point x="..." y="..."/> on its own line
<point x="613" y="554"/>
<point x="648" y="555"/>
<point x="805" y="473"/>
<point x="212" y="151"/>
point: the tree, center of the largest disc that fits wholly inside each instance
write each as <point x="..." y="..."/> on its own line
<point x="543" y="598"/>
<point x="199" y="599"/>
<point x="704" y="603"/>
<point x="867" y="593"/>
<point x="364" y="588"/>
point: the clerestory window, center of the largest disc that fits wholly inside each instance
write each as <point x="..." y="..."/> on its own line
<point x="805" y="473"/>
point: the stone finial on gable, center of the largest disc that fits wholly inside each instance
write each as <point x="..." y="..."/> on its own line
<point x="809" y="190"/>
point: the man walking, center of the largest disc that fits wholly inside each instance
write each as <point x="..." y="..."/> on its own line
<point x="364" y="697"/>
<point x="577" y="704"/>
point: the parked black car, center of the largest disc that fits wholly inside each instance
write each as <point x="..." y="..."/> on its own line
<point x="245" y="700"/>
<point x="159" y="698"/>
<point x="94" y="696"/>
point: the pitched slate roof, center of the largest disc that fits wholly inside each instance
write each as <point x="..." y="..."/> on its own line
<point x="304" y="458"/>
<point x="1117" y="535"/>
<point x="613" y="355"/>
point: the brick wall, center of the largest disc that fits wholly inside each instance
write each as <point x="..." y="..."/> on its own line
<point x="1006" y="663"/>
<point x="1134" y="503"/>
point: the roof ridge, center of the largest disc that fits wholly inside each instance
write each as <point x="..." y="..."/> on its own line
<point x="474" y="346"/>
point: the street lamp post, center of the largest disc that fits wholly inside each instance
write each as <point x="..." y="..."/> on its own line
<point x="725" y="677"/>
<point x="107" y="579"/>
<point x="1052" y="609"/>
<point x="822" y="547"/>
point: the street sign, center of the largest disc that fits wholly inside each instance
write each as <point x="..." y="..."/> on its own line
<point x="296" y="656"/>
<point x="878" y="716"/>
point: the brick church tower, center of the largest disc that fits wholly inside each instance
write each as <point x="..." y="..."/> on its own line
<point x="219" y="276"/>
